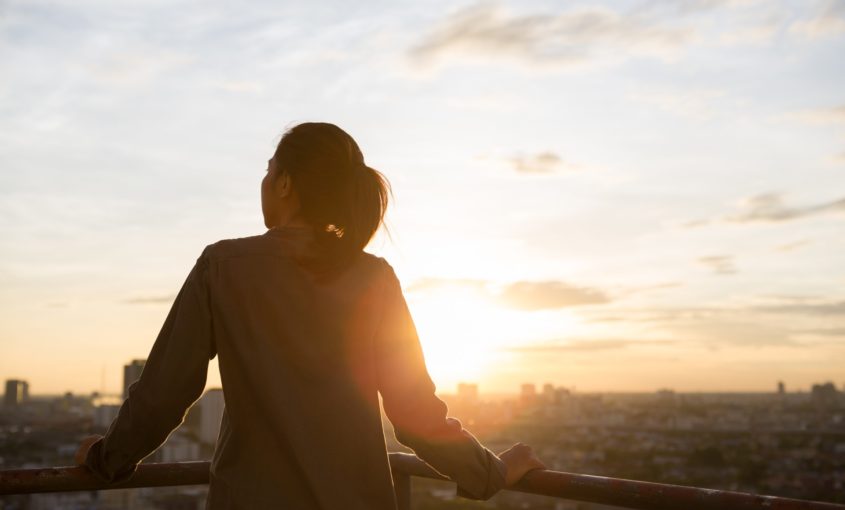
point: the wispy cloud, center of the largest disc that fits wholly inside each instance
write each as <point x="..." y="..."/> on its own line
<point x="831" y="115"/>
<point x="687" y="7"/>
<point x="770" y="208"/>
<point x="822" y="308"/>
<point x="828" y="21"/>
<point x="150" y="300"/>
<point x="720" y="264"/>
<point x="834" y="332"/>
<point x="588" y="345"/>
<point x="550" y="295"/>
<point x="792" y="246"/>
<point x="757" y="34"/>
<point x="488" y="31"/>
<point x="541" y="163"/>
<point x="709" y="327"/>
<point x="783" y="321"/>
<point x="522" y="295"/>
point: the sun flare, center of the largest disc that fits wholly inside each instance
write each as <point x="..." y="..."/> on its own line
<point x="466" y="336"/>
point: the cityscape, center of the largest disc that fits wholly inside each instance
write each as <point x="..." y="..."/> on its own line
<point x="781" y="443"/>
<point x="609" y="229"/>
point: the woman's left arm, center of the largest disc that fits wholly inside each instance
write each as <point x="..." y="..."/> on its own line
<point x="172" y="379"/>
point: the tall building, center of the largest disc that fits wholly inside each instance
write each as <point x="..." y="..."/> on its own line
<point x="211" y="406"/>
<point x="131" y="373"/>
<point x="17" y="391"/>
<point x="528" y="393"/>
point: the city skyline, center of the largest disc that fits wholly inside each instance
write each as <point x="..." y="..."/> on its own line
<point x="465" y="388"/>
<point x="781" y="444"/>
<point x="620" y="196"/>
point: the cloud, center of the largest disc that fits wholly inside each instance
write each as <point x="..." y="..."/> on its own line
<point x="541" y="163"/>
<point x="731" y="321"/>
<point x="831" y="115"/>
<point x="550" y="295"/>
<point x="759" y="34"/>
<point x="720" y="264"/>
<point x="794" y="245"/>
<point x="489" y="32"/>
<point x="829" y="21"/>
<point x="150" y="300"/>
<point x="708" y="327"/>
<point x="835" y="332"/>
<point x="685" y="7"/>
<point x="770" y="208"/>
<point x="734" y="330"/>
<point x="805" y="307"/>
<point x="586" y="345"/>
<point x="522" y="295"/>
<point x="750" y="22"/>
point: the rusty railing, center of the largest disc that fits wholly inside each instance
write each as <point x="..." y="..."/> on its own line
<point x="556" y="484"/>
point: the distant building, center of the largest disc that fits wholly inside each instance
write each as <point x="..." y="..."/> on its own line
<point x="211" y="406"/>
<point x="104" y="410"/>
<point x="467" y="392"/>
<point x="549" y="396"/>
<point x="178" y="448"/>
<point x="825" y="394"/>
<point x="528" y="393"/>
<point x="781" y="388"/>
<point x="561" y="395"/>
<point x="131" y="373"/>
<point x="17" y="392"/>
<point x="666" y="396"/>
<point x="105" y="414"/>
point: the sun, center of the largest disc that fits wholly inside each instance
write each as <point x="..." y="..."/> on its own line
<point x="456" y="336"/>
<point x="462" y="334"/>
<point x="466" y="335"/>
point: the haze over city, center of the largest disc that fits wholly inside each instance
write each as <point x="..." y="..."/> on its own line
<point x="614" y="196"/>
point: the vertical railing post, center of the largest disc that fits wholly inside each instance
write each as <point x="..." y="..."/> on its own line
<point x="402" y="487"/>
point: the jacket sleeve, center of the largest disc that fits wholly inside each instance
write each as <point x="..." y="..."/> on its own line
<point x="172" y="379"/>
<point x="418" y="416"/>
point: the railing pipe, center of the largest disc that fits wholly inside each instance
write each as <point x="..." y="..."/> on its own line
<point x="587" y="488"/>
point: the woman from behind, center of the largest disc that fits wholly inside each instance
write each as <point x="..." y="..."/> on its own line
<point x="310" y="329"/>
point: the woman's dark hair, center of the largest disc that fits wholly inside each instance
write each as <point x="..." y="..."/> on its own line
<point x="340" y="196"/>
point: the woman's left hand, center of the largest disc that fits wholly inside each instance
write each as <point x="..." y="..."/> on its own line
<point x="82" y="452"/>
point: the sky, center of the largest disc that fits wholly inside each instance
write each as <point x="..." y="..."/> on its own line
<point x="607" y="196"/>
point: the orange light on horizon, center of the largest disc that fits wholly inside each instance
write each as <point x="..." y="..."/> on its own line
<point x="466" y="336"/>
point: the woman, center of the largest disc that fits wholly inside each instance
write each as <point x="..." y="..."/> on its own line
<point x="309" y="330"/>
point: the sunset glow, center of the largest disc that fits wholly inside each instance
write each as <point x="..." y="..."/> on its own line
<point x="654" y="201"/>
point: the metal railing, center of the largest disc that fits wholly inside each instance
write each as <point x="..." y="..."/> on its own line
<point x="556" y="484"/>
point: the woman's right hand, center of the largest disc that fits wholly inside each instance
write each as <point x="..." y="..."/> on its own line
<point x="519" y="459"/>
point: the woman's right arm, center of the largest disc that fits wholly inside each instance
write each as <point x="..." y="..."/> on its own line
<point x="419" y="417"/>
